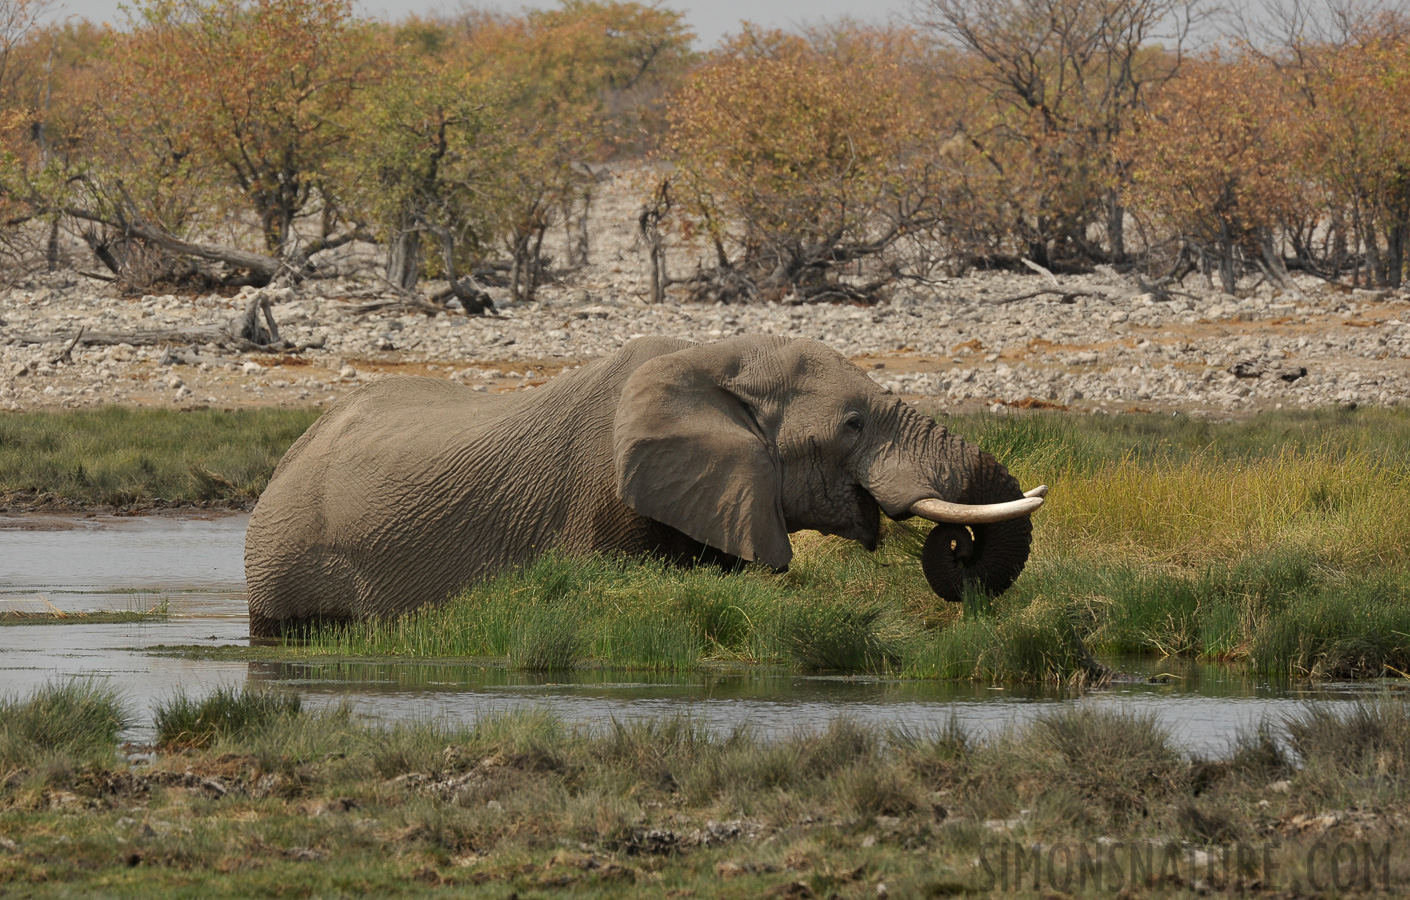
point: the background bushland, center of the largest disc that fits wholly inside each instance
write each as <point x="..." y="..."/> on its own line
<point x="246" y="141"/>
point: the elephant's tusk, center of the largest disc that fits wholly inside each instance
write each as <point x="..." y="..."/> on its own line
<point x="979" y="514"/>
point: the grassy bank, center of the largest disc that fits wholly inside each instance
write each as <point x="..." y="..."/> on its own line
<point x="283" y="801"/>
<point x="1283" y="615"/>
<point x="116" y="454"/>
<point x="119" y="456"/>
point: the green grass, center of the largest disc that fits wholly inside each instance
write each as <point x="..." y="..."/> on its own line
<point x="1090" y="442"/>
<point x="183" y="722"/>
<point x="562" y="611"/>
<point x="319" y="803"/>
<point x="75" y="722"/>
<point x="841" y="609"/>
<point x="121" y="455"/>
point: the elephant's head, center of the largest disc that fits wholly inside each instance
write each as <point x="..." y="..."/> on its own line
<point x="740" y="442"/>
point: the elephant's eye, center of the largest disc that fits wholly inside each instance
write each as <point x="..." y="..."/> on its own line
<point x="854" y="421"/>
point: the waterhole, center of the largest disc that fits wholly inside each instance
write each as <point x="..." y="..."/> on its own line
<point x="193" y="566"/>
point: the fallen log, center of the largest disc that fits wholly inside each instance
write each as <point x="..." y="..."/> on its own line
<point x="252" y="330"/>
<point x="202" y="334"/>
<point x="1063" y="296"/>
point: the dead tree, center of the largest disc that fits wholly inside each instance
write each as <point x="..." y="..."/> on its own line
<point x="649" y="227"/>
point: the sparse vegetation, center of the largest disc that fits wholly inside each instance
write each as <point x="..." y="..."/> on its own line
<point x="522" y="802"/>
<point x="71" y="723"/>
<point x="181" y="721"/>
<point x="58" y="617"/>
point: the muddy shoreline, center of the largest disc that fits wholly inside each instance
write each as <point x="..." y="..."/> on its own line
<point x="31" y="510"/>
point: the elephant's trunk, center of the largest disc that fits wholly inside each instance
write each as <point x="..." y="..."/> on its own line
<point x="983" y="531"/>
<point x="986" y="554"/>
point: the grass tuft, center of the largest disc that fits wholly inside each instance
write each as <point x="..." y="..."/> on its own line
<point x="1118" y="761"/>
<point x="182" y="721"/>
<point x="1365" y="737"/>
<point x="74" y="720"/>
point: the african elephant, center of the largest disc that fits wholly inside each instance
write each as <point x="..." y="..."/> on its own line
<point x="410" y="488"/>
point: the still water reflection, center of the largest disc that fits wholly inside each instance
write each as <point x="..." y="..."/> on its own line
<point x="194" y="566"/>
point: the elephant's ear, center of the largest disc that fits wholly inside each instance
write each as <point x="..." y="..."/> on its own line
<point x="692" y="453"/>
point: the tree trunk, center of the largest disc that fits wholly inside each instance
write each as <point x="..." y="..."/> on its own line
<point x="1227" y="275"/>
<point x="1395" y="253"/>
<point x="516" y="272"/>
<point x="649" y="226"/>
<point x="1398" y="236"/>
<point x="473" y="299"/>
<point x="1277" y="270"/>
<point x="1115" y="226"/>
<point x="251" y="329"/>
<point x="51" y="246"/>
<point x="656" y="252"/>
<point x="524" y="277"/>
<point x="535" y="270"/>
<point x="1375" y="264"/>
<point x="258" y="263"/>
<point x="102" y="250"/>
<point x="578" y="241"/>
<point x="404" y="260"/>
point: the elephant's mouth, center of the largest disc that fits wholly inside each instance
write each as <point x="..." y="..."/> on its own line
<point x="870" y="517"/>
<point x="865" y="527"/>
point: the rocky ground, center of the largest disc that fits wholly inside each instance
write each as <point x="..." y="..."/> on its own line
<point x="1100" y="342"/>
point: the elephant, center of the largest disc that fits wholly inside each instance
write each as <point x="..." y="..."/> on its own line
<point x="410" y="489"/>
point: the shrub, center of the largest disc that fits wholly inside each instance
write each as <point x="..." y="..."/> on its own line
<point x="800" y="157"/>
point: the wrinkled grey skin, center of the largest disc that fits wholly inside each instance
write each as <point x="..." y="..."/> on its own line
<point x="411" y="488"/>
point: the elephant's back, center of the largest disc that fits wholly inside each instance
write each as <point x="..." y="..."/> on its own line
<point x="411" y="487"/>
<point x="308" y="533"/>
<point x="369" y="435"/>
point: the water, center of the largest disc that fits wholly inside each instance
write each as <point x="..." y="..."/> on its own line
<point x="195" y="566"/>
